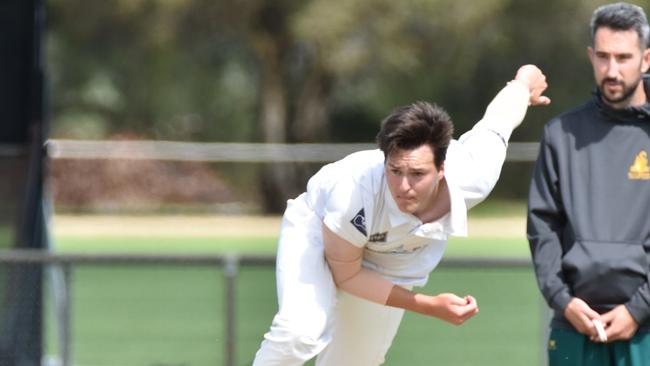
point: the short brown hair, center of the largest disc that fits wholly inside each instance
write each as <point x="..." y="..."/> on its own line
<point x="412" y="126"/>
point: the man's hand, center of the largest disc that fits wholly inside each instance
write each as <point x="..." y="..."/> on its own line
<point x="451" y="308"/>
<point x="581" y="316"/>
<point x="533" y="78"/>
<point x="448" y="307"/>
<point x="619" y="324"/>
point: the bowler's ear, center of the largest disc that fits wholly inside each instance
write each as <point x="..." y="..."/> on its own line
<point x="441" y="171"/>
<point x="590" y="54"/>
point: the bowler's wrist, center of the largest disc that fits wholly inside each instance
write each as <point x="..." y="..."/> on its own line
<point x="522" y="84"/>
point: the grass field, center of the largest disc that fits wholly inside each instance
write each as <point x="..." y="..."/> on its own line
<point x="173" y="316"/>
<point x="488" y="235"/>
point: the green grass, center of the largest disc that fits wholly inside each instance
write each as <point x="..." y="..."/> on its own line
<point x="499" y="207"/>
<point x="506" y="331"/>
<point x="488" y="247"/>
<point x="457" y="247"/>
<point x="152" y="315"/>
<point x="173" y="315"/>
<point x="166" y="245"/>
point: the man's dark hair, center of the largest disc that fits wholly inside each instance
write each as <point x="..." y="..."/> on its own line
<point x="412" y="126"/>
<point x="621" y="17"/>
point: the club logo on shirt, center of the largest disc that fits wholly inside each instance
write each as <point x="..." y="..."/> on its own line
<point x="640" y="169"/>
<point x="359" y="222"/>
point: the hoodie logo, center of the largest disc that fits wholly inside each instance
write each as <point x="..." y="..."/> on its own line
<point x="359" y="222"/>
<point x="640" y="169"/>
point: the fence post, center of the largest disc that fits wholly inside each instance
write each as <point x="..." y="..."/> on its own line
<point x="66" y="320"/>
<point x="545" y="329"/>
<point x="230" y="272"/>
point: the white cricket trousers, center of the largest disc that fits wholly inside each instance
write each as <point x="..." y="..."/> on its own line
<point x="314" y="319"/>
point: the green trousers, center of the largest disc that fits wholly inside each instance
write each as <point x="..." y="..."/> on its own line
<point x="570" y="348"/>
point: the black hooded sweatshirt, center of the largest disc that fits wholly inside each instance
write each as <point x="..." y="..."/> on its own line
<point x="589" y="210"/>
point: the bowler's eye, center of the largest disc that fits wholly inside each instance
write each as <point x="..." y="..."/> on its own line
<point x="396" y="171"/>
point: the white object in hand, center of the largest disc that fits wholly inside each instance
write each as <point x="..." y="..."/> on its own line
<point x="602" y="336"/>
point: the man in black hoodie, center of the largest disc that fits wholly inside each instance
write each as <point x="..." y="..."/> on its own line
<point x="589" y="204"/>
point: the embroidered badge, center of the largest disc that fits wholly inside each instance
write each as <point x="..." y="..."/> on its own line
<point x="359" y="222"/>
<point x="378" y="237"/>
<point x="552" y="345"/>
<point x="640" y="169"/>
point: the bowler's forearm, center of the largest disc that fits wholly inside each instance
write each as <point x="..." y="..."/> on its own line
<point x="404" y="299"/>
<point x="507" y="110"/>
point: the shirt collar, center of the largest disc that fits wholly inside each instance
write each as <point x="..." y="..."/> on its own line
<point x="627" y="114"/>
<point x="458" y="214"/>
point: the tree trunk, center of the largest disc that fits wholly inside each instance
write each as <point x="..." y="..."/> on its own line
<point x="274" y="46"/>
<point x="311" y="122"/>
<point x="277" y="180"/>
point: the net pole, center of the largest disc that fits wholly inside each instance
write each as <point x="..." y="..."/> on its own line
<point x="66" y="319"/>
<point x="230" y="270"/>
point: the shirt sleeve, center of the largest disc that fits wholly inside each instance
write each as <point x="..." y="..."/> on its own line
<point x="639" y="304"/>
<point x="345" y="214"/>
<point x="506" y="111"/>
<point x="474" y="162"/>
<point x="545" y="224"/>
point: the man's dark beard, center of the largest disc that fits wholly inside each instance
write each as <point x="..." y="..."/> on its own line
<point x="627" y="92"/>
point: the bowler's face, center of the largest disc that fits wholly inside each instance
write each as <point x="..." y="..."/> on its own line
<point x="413" y="179"/>
<point x="619" y="62"/>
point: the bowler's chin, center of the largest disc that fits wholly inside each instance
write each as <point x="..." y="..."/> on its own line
<point x="409" y="208"/>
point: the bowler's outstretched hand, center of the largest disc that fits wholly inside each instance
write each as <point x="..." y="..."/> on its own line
<point x="535" y="80"/>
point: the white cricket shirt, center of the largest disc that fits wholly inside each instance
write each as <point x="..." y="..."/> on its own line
<point x="352" y="198"/>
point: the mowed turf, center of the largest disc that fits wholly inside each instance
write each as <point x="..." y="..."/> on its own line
<point x="488" y="236"/>
<point x="174" y="315"/>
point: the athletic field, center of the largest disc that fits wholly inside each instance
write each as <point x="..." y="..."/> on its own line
<point x="134" y="315"/>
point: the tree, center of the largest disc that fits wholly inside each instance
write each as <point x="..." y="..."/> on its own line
<point x="306" y="52"/>
<point x="301" y="71"/>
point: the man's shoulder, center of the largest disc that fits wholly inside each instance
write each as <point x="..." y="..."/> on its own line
<point x="362" y="163"/>
<point x="359" y="168"/>
<point x="581" y="113"/>
<point x="577" y="119"/>
<point x="365" y="156"/>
